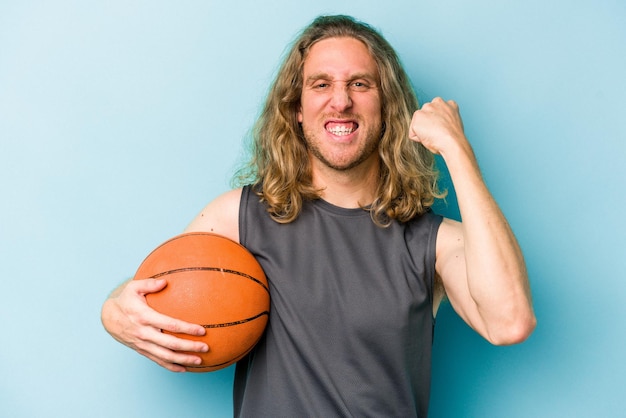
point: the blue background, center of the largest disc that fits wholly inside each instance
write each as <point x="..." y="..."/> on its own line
<point x="120" y="120"/>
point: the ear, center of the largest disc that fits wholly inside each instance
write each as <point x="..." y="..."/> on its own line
<point x="299" y="114"/>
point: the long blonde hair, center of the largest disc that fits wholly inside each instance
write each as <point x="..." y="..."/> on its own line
<point x="279" y="166"/>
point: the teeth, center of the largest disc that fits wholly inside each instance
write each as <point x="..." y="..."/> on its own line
<point x="341" y="130"/>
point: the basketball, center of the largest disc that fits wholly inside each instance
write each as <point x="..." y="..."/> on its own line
<point x="217" y="283"/>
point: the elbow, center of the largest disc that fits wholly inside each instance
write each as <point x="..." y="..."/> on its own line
<point x="514" y="332"/>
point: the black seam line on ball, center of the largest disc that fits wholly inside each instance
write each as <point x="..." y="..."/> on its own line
<point x="220" y="269"/>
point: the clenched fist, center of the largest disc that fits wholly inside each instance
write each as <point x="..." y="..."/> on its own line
<point x="438" y="126"/>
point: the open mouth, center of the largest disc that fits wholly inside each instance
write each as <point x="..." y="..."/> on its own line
<point x="341" y="128"/>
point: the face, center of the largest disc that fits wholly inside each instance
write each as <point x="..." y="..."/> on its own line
<point x="340" y="107"/>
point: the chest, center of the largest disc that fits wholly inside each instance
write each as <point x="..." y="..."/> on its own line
<point x="345" y="272"/>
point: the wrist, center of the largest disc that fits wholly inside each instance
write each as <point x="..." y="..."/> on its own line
<point x="459" y="155"/>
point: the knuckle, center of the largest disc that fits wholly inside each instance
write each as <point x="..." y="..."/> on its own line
<point x="183" y="344"/>
<point x="177" y="344"/>
<point x="172" y="325"/>
<point x="169" y="357"/>
<point x="143" y="333"/>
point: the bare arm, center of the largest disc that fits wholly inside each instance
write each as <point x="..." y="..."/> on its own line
<point x="479" y="261"/>
<point x="129" y="319"/>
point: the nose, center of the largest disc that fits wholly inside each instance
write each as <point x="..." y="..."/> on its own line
<point x="341" y="100"/>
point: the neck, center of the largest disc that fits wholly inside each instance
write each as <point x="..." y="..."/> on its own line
<point x="352" y="188"/>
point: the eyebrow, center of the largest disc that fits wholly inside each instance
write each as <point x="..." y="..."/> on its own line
<point x="355" y="76"/>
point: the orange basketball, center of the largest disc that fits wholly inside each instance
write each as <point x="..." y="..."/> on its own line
<point x="217" y="283"/>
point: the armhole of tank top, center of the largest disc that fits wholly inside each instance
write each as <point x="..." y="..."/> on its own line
<point x="431" y="256"/>
<point x="243" y="210"/>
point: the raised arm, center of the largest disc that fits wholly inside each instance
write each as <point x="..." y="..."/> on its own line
<point x="128" y="318"/>
<point x="479" y="261"/>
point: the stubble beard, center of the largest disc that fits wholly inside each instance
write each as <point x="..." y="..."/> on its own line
<point x="341" y="163"/>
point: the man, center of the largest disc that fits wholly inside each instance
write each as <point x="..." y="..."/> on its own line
<point x="338" y="214"/>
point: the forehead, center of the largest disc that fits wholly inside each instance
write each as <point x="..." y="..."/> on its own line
<point x="339" y="57"/>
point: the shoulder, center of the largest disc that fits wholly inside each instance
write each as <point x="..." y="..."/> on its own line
<point x="220" y="216"/>
<point x="450" y="234"/>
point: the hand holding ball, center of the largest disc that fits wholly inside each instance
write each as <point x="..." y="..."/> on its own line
<point x="217" y="283"/>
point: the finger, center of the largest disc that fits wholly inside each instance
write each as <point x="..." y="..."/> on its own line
<point x="453" y="104"/>
<point x="172" y="349"/>
<point x="174" y="367"/>
<point x="174" y="325"/>
<point x="145" y="286"/>
<point x="175" y="362"/>
<point x="435" y="102"/>
<point x="414" y="137"/>
<point x="172" y="342"/>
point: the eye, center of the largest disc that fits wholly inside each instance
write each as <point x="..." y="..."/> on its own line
<point x="359" y="85"/>
<point x="320" y="85"/>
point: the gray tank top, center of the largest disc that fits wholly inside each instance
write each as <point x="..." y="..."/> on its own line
<point x="350" y="328"/>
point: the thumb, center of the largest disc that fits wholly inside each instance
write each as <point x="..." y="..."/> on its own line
<point x="143" y="286"/>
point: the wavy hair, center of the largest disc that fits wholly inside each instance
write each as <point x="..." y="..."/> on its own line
<point x="279" y="167"/>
